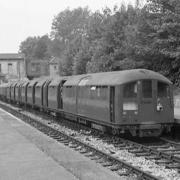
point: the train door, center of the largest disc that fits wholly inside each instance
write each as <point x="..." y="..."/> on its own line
<point x="46" y="91"/>
<point x="130" y="102"/>
<point x="25" y="92"/>
<point x="112" y="94"/>
<point x="147" y="101"/>
<point x="59" y="95"/>
<point x="164" y="102"/>
<point x="43" y="93"/>
<point x="33" y="92"/>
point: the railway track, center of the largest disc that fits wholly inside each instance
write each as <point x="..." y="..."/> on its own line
<point x="107" y="159"/>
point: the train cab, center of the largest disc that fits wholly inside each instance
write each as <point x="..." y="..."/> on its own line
<point x="138" y="101"/>
<point x="149" y="103"/>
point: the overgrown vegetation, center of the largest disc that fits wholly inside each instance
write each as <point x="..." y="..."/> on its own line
<point x="122" y="38"/>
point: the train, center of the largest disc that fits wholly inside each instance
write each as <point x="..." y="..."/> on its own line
<point x="138" y="102"/>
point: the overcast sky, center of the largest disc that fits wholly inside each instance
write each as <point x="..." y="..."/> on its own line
<point x="22" y="18"/>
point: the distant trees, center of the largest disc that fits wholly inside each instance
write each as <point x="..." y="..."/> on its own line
<point x="122" y="38"/>
<point x="36" y="47"/>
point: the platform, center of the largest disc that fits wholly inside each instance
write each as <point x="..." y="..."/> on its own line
<point x="27" y="154"/>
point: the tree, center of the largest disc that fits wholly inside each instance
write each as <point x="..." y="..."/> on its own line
<point x="36" y="47"/>
<point x="166" y="36"/>
<point x="27" y="47"/>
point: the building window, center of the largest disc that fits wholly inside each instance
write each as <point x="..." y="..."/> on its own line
<point x="9" y="68"/>
<point x="35" y="67"/>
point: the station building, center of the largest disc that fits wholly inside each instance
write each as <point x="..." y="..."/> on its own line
<point x="12" y="67"/>
<point x="54" y="66"/>
<point x="36" y="68"/>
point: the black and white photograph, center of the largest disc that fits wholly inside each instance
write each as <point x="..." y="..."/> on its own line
<point x="90" y="90"/>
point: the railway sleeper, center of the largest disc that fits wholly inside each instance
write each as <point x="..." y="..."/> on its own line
<point x="123" y="173"/>
<point x="174" y="152"/>
<point x="106" y="164"/>
<point x="160" y="146"/>
<point x="136" y="151"/>
<point x="115" y="167"/>
<point x="100" y="160"/>
<point x="89" y="154"/>
<point x="163" y="161"/>
<point x="94" y="158"/>
<point x="155" y="157"/>
<point x="84" y="151"/>
<point x="140" y="154"/>
<point x="120" y="145"/>
<point x="175" y="166"/>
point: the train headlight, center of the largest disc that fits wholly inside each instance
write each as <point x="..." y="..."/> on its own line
<point x="136" y="112"/>
<point x="159" y="107"/>
<point x="124" y="112"/>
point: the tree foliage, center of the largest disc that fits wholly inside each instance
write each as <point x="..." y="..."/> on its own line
<point x="125" y="37"/>
<point x="36" y="47"/>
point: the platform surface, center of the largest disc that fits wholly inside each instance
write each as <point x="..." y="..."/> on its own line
<point x="27" y="154"/>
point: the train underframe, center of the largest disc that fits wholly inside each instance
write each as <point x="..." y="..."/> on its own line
<point x="136" y="130"/>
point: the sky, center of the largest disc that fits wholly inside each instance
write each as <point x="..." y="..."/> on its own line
<point x="20" y="19"/>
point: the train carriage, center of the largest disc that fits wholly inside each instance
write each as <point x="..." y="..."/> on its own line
<point x="138" y="101"/>
<point x="18" y="91"/>
<point x="30" y="96"/>
<point x="69" y="94"/>
<point x="3" y="91"/>
<point x="45" y="94"/>
<point x="24" y="92"/>
<point x="8" y="93"/>
<point x="38" y="93"/>
<point x="12" y="89"/>
<point x="54" y="93"/>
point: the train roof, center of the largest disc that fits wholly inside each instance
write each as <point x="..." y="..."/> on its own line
<point x="13" y="84"/>
<point x="114" y="78"/>
<point x="20" y="83"/>
<point x="25" y="83"/>
<point x="32" y="82"/>
<point x="41" y="82"/>
<point x="57" y="80"/>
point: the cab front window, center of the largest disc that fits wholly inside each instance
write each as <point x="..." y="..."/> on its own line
<point x="147" y="89"/>
<point x="130" y="90"/>
<point x="163" y="89"/>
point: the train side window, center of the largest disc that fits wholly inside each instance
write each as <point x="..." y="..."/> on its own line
<point x="147" y="89"/>
<point x="130" y="90"/>
<point x="163" y="89"/>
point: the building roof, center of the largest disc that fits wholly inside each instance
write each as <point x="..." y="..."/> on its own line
<point x="54" y="60"/>
<point x="4" y="56"/>
<point x="114" y="78"/>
